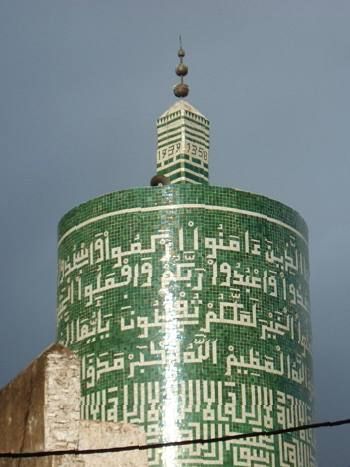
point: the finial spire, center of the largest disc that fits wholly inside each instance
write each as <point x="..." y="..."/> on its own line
<point x="181" y="89"/>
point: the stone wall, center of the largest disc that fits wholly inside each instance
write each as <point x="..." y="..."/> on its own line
<point x="40" y="411"/>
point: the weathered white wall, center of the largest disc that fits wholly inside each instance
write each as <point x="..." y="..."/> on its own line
<point x="40" y="411"/>
<point x="61" y="400"/>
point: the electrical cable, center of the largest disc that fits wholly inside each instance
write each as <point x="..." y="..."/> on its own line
<point x="142" y="447"/>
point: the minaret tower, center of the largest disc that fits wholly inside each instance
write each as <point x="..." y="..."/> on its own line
<point x="188" y="305"/>
<point x="182" y="138"/>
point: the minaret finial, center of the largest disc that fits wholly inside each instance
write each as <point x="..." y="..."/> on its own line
<point x="181" y="89"/>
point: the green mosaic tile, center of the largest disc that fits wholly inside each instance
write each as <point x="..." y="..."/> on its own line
<point x="189" y="307"/>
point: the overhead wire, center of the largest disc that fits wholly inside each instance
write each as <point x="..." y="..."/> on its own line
<point x="142" y="447"/>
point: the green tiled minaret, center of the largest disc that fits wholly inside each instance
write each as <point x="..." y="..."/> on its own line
<point x="189" y="307"/>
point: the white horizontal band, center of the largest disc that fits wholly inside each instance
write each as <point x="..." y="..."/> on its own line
<point x="167" y="207"/>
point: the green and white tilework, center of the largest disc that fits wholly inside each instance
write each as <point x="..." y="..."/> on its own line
<point x="189" y="307"/>
<point x="183" y="144"/>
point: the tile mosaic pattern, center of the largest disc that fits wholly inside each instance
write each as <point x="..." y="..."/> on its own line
<point x="183" y="144"/>
<point x="189" y="307"/>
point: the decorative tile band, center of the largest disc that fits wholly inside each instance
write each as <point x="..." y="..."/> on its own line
<point x="180" y="206"/>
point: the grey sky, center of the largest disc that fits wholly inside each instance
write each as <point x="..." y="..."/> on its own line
<point x="81" y="85"/>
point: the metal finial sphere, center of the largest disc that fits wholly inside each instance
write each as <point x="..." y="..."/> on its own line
<point x="181" y="90"/>
<point x="181" y="69"/>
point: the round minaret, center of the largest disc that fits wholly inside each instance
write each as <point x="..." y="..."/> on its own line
<point x="189" y="307"/>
